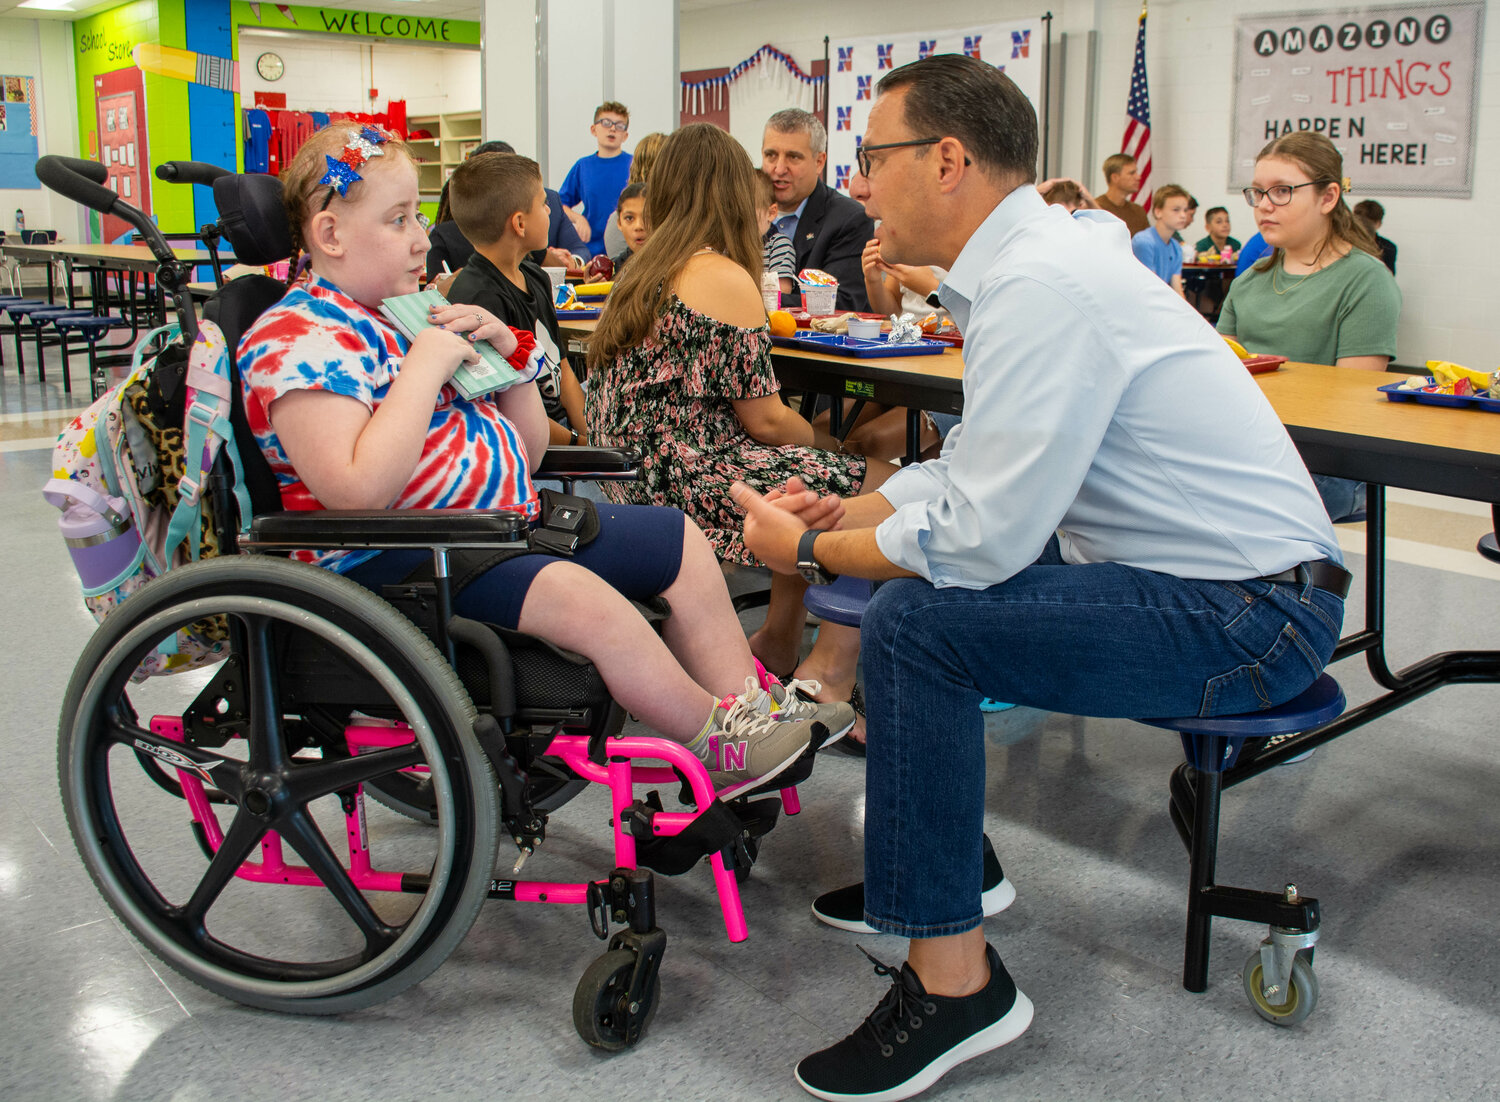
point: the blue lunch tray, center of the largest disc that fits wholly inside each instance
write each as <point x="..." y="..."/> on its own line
<point x="839" y="344"/>
<point x="1394" y="392"/>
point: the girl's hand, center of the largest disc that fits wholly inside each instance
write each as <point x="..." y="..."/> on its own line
<point x="476" y="323"/>
<point x="439" y="351"/>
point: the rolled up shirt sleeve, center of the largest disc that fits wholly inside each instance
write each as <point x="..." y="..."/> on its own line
<point x="1038" y="399"/>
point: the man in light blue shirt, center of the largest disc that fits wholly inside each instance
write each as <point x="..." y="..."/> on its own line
<point x="1120" y="526"/>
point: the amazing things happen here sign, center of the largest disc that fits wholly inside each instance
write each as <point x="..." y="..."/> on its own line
<point x="1394" y="88"/>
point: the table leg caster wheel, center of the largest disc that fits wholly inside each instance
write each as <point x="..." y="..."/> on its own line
<point x="603" y="1012"/>
<point x="1285" y="1004"/>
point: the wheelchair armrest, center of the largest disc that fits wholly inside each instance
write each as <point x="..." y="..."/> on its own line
<point x="574" y="461"/>
<point x="336" y="529"/>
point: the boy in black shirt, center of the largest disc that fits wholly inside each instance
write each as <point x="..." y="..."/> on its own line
<point x="499" y="204"/>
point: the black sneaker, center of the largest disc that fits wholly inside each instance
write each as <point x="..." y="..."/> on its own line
<point x="845" y="907"/>
<point x="912" y="1039"/>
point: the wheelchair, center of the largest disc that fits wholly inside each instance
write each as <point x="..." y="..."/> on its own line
<point x="312" y="824"/>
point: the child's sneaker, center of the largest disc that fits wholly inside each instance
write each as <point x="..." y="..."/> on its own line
<point x="743" y="746"/>
<point x="794" y="700"/>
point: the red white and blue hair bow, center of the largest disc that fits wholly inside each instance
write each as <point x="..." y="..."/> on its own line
<point x="343" y="169"/>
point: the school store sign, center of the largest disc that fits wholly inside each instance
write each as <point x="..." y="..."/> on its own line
<point x="1016" y="49"/>
<point x="1396" y="89"/>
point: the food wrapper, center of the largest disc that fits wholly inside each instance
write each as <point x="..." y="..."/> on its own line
<point x="904" y="330"/>
<point x="564" y="297"/>
<point x="817" y="277"/>
<point x="839" y="323"/>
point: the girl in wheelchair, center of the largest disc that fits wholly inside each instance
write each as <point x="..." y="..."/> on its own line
<point x="352" y="415"/>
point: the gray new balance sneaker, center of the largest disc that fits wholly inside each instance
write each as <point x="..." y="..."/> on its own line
<point x="794" y="700"/>
<point x="743" y="746"/>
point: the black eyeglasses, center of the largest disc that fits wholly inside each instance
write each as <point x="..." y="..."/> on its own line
<point x="611" y="124"/>
<point x="862" y="154"/>
<point x="1281" y="194"/>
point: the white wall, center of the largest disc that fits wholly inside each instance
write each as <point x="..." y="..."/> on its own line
<point x="1446" y="245"/>
<point x="43" y="49"/>
<point x="326" y="73"/>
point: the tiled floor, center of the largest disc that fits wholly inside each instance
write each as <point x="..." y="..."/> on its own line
<point x="1394" y="828"/>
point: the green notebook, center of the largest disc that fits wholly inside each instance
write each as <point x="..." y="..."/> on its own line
<point x="408" y="313"/>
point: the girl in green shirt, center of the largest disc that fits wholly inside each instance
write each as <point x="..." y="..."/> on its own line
<point x="1323" y="295"/>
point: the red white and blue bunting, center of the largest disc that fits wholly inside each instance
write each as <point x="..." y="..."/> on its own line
<point x="712" y="94"/>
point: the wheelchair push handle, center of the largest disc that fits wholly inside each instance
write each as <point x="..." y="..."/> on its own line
<point x="190" y="172"/>
<point x="79" y="180"/>
<point x="83" y="182"/>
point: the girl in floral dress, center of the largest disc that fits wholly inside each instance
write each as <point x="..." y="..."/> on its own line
<point x="680" y="368"/>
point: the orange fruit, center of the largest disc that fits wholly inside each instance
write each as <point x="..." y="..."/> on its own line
<point x="782" y="324"/>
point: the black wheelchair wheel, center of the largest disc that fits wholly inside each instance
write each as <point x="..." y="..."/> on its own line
<point x="284" y="915"/>
<point x="601" y="1000"/>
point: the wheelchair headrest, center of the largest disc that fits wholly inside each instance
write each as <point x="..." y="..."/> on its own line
<point x="252" y="218"/>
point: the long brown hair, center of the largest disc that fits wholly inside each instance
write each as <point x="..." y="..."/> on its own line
<point x="643" y="160"/>
<point x="701" y="194"/>
<point x="1315" y="155"/>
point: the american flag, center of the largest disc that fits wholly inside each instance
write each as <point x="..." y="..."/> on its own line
<point x="1137" y="139"/>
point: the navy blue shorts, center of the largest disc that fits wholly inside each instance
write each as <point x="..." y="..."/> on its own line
<point x="638" y="551"/>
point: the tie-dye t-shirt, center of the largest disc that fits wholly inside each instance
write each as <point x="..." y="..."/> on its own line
<point x="318" y="338"/>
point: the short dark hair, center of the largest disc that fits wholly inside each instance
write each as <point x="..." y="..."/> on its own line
<point x="491" y="147"/>
<point x="952" y="95"/>
<point x="1370" y="210"/>
<point x="487" y="189"/>
<point x="1211" y="211"/>
<point x="636" y="190"/>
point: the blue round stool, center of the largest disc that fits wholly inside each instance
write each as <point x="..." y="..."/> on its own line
<point x="18" y="312"/>
<point x="92" y="328"/>
<point x="842" y="602"/>
<point x="1278" y="978"/>
<point x="1489" y="548"/>
<point x="39" y="320"/>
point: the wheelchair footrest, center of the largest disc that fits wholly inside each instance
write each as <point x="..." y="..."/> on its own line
<point x="716" y="828"/>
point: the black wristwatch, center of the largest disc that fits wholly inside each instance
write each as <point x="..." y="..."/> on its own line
<point x="935" y="302"/>
<point x="808" y="566"/>
<point x="572" y="436"/>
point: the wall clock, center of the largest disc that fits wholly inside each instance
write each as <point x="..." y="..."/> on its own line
<point x="270" y="66"/>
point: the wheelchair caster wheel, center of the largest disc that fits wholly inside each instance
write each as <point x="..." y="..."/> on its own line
<point x="1301" y="996"/>
<point x="601" y="1004"/>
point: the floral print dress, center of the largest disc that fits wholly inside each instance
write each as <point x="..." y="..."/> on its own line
<point x="671" y="397"/>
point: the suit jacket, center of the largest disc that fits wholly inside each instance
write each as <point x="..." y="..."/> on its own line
<point x="831" y="235"/>
<point x="450" y="245"/>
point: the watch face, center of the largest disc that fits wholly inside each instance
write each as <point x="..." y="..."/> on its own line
<point x="269" y="66"/>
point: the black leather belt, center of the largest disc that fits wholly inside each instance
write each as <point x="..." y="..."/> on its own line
<point x="1334" y="579"/>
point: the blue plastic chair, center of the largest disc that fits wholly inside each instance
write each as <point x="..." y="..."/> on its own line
<point x="40" y="320"/>
<point x="92" y="328"/>
<point x="842" y="602"/>
<point x="1489" y="548"/>
<point x="1278" y="978"/>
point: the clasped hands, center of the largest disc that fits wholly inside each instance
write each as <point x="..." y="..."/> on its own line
<point x="775" y="521"/>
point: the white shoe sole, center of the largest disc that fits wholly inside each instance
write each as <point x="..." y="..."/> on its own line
<point x="1015" y="1022"/>
<point x="992" y="902"/>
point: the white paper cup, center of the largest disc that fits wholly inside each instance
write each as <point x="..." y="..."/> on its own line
<point x="558" y="276"/>
<point x="867" y="329"/>
<point x="818" y="298"/>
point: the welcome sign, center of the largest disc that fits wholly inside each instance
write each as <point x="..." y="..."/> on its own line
<point x="1394" y="88"/>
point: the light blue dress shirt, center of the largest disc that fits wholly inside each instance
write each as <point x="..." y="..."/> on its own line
<point x="1099" y="405"/>
<point x="787" y="223"/>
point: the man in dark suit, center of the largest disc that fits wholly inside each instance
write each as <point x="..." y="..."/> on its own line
<point x="828" y="230"/>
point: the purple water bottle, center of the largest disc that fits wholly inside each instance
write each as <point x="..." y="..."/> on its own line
<point x="98" y="530"/>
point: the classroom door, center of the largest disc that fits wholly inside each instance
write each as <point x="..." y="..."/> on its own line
<point x="121" y="100"/>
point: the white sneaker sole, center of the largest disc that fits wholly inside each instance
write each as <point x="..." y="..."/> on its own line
<point x="1015" y="1022"/>
<point x="992" y="902"/>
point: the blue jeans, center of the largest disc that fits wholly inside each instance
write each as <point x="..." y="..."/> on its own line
<point x="1100" y="639"/>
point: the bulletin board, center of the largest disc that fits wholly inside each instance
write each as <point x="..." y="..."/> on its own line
<point x="1396" y="89"/>
<point x="18" y="132"/>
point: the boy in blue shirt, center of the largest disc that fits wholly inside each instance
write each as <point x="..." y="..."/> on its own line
<point x="1154" y="246"/>
<point x="597" y="180"/>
